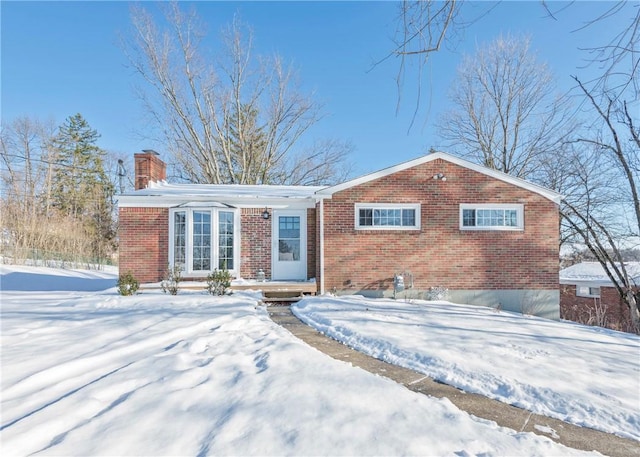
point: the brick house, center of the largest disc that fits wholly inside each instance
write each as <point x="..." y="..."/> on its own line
<point x="588" y="296"/>
<point x="487" y="237"/>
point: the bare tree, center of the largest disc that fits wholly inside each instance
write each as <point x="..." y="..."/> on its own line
<point x="424" y="26"/>
<point x="601" y="208"/>
<point x="506" y="115"/>
<point x="228" y="118"/>
<point x="597" y="170"/>
<point x="26" y="187"/>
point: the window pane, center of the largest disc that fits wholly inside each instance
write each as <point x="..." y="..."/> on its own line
<point x="179" y="239"/>
<point x="289" y="250"/>
<point x="395" y="218"/>
<point x="468" y="218"/>
<point x="386" y="217"/>
<point x="288" y="238"/>
<point x="408" y="217"/>
<point x="225" y="240"/>
<point x="289" y="226"/>
<point x="366" y="217"/>
<point x="201" y="249"/>
<point x="483" y="217"/>
<point x="377" y="216"/>
<point x="499" y="216"/>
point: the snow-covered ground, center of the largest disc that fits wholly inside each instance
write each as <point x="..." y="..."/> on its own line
<point x="588" y="376"/>
<point x="93" y="373"/>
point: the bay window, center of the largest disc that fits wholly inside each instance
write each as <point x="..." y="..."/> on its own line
<point x="203" y="239"/>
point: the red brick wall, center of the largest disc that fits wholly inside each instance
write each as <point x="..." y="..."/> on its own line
<point x="255" y="244"/>
<point x="440" y="254"/>
<point x="311" y="243"/>
<point x="584" y="309"/>
<point x="144" y="249"/>
<point x="144" y="243"/>
<point x="148" y="167"/>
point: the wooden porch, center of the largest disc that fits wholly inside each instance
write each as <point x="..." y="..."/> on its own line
<point x="280" y="291"/>
<point x="272" y="291"/>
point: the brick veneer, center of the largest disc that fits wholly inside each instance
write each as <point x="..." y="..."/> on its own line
<point x="144" y="237"/>
<point x="583" y="309"/>
<point x="144" y="243"/>
<point x="148" y="168"/>
<point x="440" y="254"/>
<point x="255" y="243"/>
<point x="312" y="256"/>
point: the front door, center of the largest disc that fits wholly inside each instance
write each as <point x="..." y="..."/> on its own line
<point x="289" y="251"/>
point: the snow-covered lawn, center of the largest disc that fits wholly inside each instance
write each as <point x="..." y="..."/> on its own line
<point x="94" y="373"/>
<point x="588" y="376"/>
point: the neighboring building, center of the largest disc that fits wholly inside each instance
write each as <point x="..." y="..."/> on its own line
<point x="588" y="296"/>
<point x="487" y="237"/>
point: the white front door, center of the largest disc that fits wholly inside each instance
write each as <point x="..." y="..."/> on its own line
<point x="289" y="240"/>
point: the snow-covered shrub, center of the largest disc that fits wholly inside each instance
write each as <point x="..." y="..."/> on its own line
<point x="218" y="282"/>
<point x="171" y="282"/>
<point x="437" y="293"/>
<point x="127" y="284"/>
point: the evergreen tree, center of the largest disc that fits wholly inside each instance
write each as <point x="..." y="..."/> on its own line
<point x="247" y="143"/>
<point x="81" y="187"/>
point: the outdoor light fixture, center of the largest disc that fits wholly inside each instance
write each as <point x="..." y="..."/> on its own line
<point x="265" y="214"/>
<point x="440" y="177"/>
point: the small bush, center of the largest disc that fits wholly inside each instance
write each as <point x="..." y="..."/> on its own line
<point x="171" y="282"/>
<point x="127" y="284"/>
<point x="218" y="282"/>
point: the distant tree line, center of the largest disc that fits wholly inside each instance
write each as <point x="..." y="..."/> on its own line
<point x="57" y="198"/>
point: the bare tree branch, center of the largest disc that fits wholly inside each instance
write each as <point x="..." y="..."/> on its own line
<point x="232" y="118"/>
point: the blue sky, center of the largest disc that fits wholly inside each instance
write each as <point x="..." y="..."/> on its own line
<point x="61" y="58"/>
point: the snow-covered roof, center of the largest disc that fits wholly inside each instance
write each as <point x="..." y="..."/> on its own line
<point x="543" y="191"/>
<point x="165" y="194"/>
<point x="593" y="273"/>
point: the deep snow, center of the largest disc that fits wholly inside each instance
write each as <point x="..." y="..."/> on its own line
<point x="94" y="373"/>
<point x="588" y="376"/>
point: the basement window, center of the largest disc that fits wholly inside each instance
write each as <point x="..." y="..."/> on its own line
<point x="203" y="239"/>
<point x="491" y="217"/>
<point x="373" y="216"/>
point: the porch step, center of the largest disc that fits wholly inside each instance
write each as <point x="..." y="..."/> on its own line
<point x="272" y="297"/>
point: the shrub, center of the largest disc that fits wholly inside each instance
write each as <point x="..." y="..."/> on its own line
<point x="219" y="281"/>
<point x="127" y="284"/>
<point x="171" y="282"/>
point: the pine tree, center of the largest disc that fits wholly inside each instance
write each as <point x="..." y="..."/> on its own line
<point x="82" y="190"/>
<point x="247" y="144"/>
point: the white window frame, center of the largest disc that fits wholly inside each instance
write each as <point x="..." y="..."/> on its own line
<point x="519" y="208"/>
<point x="588" y="293"/>
<point x="391" y="206"/>
<point x="188" y="270"/>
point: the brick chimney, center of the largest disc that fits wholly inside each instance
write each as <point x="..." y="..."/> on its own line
<point x="149" y="168"/>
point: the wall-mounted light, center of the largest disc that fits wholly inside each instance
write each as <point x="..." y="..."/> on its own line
<point x="440" y="177"/>
<point x="265" y="214"/>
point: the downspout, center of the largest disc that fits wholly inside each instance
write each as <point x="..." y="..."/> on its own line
<point x="321" y="216"/>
